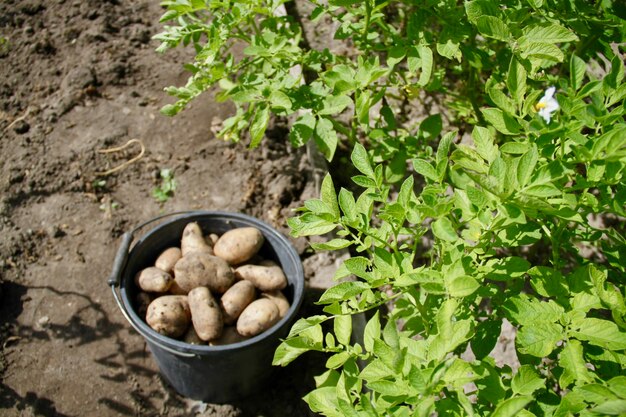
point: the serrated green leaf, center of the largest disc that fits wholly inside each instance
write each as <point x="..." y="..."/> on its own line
<point x="521" y="309"/>
<point x="444" y="230"/>
<point x="526" y="381"/>
<point x="539" y="339"/>
<point x="493" y="27"/>
<point x="503" y="122"/>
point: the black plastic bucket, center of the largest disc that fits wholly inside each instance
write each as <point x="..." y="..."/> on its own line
<point x="216" y="374"/>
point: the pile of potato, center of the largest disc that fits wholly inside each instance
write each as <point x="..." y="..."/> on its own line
<point x="213" y="289"/>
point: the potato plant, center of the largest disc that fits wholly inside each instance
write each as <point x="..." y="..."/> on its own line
<point x="508" y="205"/>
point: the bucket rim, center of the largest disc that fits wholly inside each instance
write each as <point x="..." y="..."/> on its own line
<point x="275" y="237"/>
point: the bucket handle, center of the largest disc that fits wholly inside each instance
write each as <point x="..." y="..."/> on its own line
<point x="118" y="266"/>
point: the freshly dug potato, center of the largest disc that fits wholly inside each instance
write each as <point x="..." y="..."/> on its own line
<point x="193" y="240"/>
<point x="259" y="316"/>
<point x="169" y="315"/>
<point x="153" y="279"/>
<point x="143" y="300"/>
<point x="229" y="336"/>
<point x="167" y="259"/>
<point x="238" y="245"/>
<point x="199" y="269"/>
<point x="206" y="315"/>
<point x="279" y="299"/>
<point x="211" y="239"/>
<point x="265" y="278"/>
<point x="192" y="337"/>
<point x="236" y="299"/>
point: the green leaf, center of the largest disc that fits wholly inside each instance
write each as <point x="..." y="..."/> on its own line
<point x="486" y="337"/>
<point x="526" y="381"/>
<point x="343" y="328"/>
<point x="334" y="244"/>
<point x="548" y="282"/>
<point x="511" y="407"/>
<point x="291" y="349"/>
<point x="302" y="130"/>
<point x="444" y="230"/>
<point x="426" y="56"/>
<point x="521" y="309"/>
<point x="538" y="339"/>
<point x="462" y="286"/>
<point x="337" y="360"/>
<point x="552" y="33"/>
<point x="343" y="291"/>
<point x="577" y="68"/>
<point x="526" y="165"/>
<point x="503" y="122"/>
<point x="541" y="50"/>
<point x="361" y="267"/>
<point x="324" y="400"/>
<point x="618" y="386"/>
<point x="325" y="137"/>
<point x="280" y="100"/>
<point x="259" y="125"/>
<point x="506" y="268"/>
<point x="347" y="204"/>
<point x="516" y="80"/>
<point x="371" y="332"/>
<point x="616" y="74"/>
<point x="611" y="408"/>
<point x="376" y="370"/>
<point x="425" y="169"/>
<point x="601" y="333"/>
<point x="485" y="145"/>
<point x="493" y="27"/>
<point x="574" y="365"/>
<point x="329" y="196"/>
<point x="361" y="161"/>
<point x="334" y="104"/>
<point x="450" y="50"/>
<point x="396" y="55"/>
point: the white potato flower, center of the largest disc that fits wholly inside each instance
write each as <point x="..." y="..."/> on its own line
<point x="547" y="104"/>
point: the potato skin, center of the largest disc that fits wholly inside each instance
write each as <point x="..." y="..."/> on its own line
<point x="238" y="245"/>
<point x="168" y="258"/>
<point x="193" y="240"/>
<point x="153" y="279"/>
<point x="169" y="315"/>
<point x="259" y="316"/>
<point x="236" y="299"/>
<point x="199" y="269"/>
<point x="265" y="278"/>
<point x="192" y="337"/>
<point x="206" y="315"/>
<point x="280" y="300"/>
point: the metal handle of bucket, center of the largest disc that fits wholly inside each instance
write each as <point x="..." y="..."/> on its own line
<point x="118" y="266"/>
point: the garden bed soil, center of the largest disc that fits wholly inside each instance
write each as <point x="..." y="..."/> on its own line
<point x="78" y="77"/>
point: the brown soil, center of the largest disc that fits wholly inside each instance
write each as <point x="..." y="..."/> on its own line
<point x="76" y="77"/>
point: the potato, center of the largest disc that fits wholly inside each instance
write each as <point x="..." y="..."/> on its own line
<point x="153" y="279"/>
<point x="238" y="245"/>
<point x="176" y="290"/>
<point x="259" y="316"/>
<point x="193" y="240"/>
<point x="167" y="259"/>
<point x="199" y="269"/>
<point x="206" y="315"/>
<point x="192" y="337"/>
<point x="236" y="299"/>
<point x="211" y="239"/>
<point x="279" y="299"/>
<point x="265" y="278"/>
<point x="229" y="336"/>
<point x="169" y="315"/>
